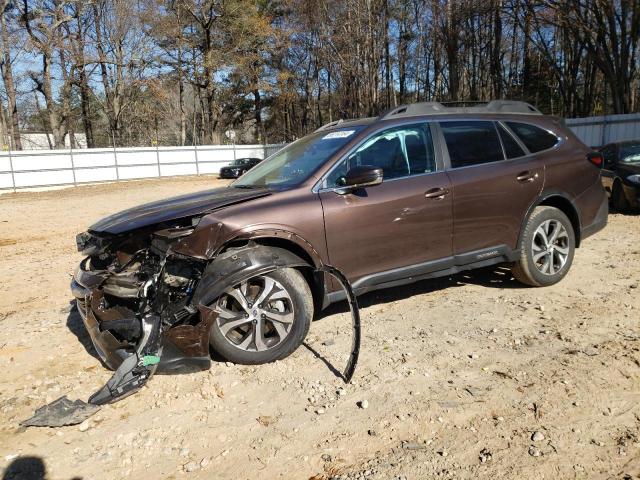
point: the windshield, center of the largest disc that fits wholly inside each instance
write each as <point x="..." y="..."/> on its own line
<point x="241" y="161"/>
<point x="296" y="163"/>
<point x="630" y="153"/>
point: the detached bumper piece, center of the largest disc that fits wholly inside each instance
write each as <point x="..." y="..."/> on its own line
<point x="136" y="369"/>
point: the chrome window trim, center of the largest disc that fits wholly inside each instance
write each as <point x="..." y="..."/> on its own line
<point x="561" y="141"/>
<point x="441" y="152"/>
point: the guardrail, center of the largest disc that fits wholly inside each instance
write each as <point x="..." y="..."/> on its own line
<point x="48" y="168"/>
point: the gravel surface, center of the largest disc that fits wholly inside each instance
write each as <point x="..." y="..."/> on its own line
<point x="462" y="377"/>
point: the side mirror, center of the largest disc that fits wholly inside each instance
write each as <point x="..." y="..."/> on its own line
<point x="361" y="176"/>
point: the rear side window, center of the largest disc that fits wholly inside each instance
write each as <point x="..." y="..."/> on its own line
<point x="511" y="147"/>
<point x="534" y="138"/>
<point x="471" y="143"/>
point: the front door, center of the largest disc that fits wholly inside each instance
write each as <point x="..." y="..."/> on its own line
<point x="404" y="221"/>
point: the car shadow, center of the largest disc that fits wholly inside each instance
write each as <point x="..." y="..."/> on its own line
<point x="324" y="360"/>
<point x="627" y="212"/>
<point x="76" y="326"/>
<point x="489" y="277"/>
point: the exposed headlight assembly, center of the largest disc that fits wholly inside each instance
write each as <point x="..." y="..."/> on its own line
<point x="90" y="244"/>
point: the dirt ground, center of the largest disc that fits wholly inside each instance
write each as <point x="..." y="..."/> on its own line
<point x="456" y="374"/>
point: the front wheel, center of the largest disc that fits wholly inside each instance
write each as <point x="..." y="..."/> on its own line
<point x="546" y="248"/>
<point x="263" y="319"/>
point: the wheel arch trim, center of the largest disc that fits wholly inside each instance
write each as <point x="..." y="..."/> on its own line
<point x="237" y="265"/>
<point x="563" y="202"/>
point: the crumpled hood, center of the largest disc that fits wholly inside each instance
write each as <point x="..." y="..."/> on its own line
<point x="174" y="208"/>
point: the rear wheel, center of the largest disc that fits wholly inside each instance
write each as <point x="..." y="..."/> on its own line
<point x="263" y="319"/>
<point x="546" y="248"/>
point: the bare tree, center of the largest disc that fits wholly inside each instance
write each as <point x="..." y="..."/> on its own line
<point x="6" y="68"/>
<point x="43" y="21"/>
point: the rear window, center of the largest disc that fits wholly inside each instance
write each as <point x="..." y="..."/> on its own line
<point x="511" y="147"/>
<point x="534" y="138"/>
<point x="471" y="143"/>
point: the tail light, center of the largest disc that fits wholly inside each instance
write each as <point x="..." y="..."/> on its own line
<point x="596" y="158"/>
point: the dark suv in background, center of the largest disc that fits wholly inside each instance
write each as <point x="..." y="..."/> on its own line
<point x="621" y="174"/>
<point x="422" y="191"/>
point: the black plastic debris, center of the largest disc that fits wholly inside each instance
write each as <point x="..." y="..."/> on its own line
<point x="350" y="369"/>
<point x="137" y="368"/>
<point x="60" y="413"/>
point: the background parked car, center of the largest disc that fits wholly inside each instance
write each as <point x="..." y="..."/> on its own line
<point x="621" y="174"/>
<point x="239" y="167"/>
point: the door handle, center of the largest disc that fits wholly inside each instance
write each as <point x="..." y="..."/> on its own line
<point x="437" y="192"/>
<point x="527" y="176"/>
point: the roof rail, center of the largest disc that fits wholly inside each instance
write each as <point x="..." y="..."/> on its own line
<point x="329" y="125"/>
<point x="438" y="108"/>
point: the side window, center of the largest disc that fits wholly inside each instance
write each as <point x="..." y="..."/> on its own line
<point x="534" y="138"/>
<point x="400" y="152"/>
<point x="511" y="147"/>
<point x="471" y="142"/>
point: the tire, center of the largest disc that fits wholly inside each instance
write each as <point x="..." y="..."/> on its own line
<point x="539" y="265"/>
<point x="251" y="335"/>
<point x="619" y="200"/>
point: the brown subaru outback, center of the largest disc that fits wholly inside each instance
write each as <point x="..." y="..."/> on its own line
<point x="422" y="191"/>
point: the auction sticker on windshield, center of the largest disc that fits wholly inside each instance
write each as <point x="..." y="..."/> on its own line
<point x="340" y="134"/>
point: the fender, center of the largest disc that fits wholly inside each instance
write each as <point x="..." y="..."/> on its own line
<point x="545" y="195"/>
<point x="277" y="233"/>
<point x="208" y="242"/>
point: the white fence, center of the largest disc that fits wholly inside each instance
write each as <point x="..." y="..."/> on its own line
<point x="46" y="168"/>
<point x="598" y="131"/>
<point x="40" y="168"/>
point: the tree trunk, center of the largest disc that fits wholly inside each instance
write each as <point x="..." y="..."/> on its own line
<point x="257" y="102"/>
<point x="83" y="83"/>
<point x="110" y="110"/>
<point x="7" y="76"/>
<point x="56" y="123"/>
<point x="496" y="71"/>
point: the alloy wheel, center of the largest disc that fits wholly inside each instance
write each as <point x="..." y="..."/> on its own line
<point x="550" y="247"/>
<point x="256" y="315"/>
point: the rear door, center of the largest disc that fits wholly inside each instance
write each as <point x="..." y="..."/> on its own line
<point x="494" y="182"/>
<point x="404" y="221"/>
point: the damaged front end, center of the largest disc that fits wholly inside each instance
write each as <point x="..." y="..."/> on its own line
<point x="134" y="294"/>
<point x="148" y="306"/>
